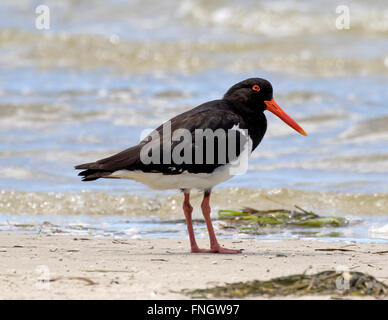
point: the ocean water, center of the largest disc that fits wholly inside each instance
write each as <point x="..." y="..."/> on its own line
<point x="88" y="87"/>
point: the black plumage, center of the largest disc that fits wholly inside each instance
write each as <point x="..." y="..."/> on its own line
<point x="240" y="107"/>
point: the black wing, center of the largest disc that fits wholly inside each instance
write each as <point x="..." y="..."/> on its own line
<point x="197" y="141"/>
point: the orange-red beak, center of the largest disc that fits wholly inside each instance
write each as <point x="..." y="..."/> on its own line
<point x="275" y="109"/>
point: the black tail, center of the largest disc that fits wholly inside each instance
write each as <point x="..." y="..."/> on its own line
<point x="104" y="167"/>
<point x="91" y="173"/>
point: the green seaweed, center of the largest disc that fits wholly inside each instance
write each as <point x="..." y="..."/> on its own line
<point x="237" y="219"/>
<point x="322" y="222"/>
<point x="322" y="283"/>
<point x="230" y="213"/>
<point x="269" y="220"/>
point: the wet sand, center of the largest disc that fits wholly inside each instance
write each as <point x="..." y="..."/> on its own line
<point x="109" y="268"/>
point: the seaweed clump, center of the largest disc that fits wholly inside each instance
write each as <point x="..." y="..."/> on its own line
<point x="248" y="220"/>
<point x="322" y="283"/>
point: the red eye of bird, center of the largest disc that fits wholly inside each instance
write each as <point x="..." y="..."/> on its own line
<point x="256" y="87"/>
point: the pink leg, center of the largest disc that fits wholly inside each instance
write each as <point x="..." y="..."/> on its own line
<point x="188" y="209"/>
<point x="214" y="245"/>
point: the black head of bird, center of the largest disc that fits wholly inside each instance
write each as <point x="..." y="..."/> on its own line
<point x="255" y="95"/>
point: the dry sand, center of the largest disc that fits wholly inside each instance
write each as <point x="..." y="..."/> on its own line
<point x="109" y="268"/>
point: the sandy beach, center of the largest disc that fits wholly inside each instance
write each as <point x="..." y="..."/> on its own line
<point x="82" y="86"/>
<point x="111" y="268"/>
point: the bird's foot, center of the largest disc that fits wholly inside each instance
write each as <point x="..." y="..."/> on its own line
<point x="228" y="251"/>
<point x="216" y="249"/>
<point x="199" y="250"/>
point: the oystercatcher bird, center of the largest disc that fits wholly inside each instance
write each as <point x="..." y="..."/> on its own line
<point x="198" y="149"/>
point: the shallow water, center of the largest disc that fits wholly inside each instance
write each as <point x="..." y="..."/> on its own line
<point x="101" y="75"/>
